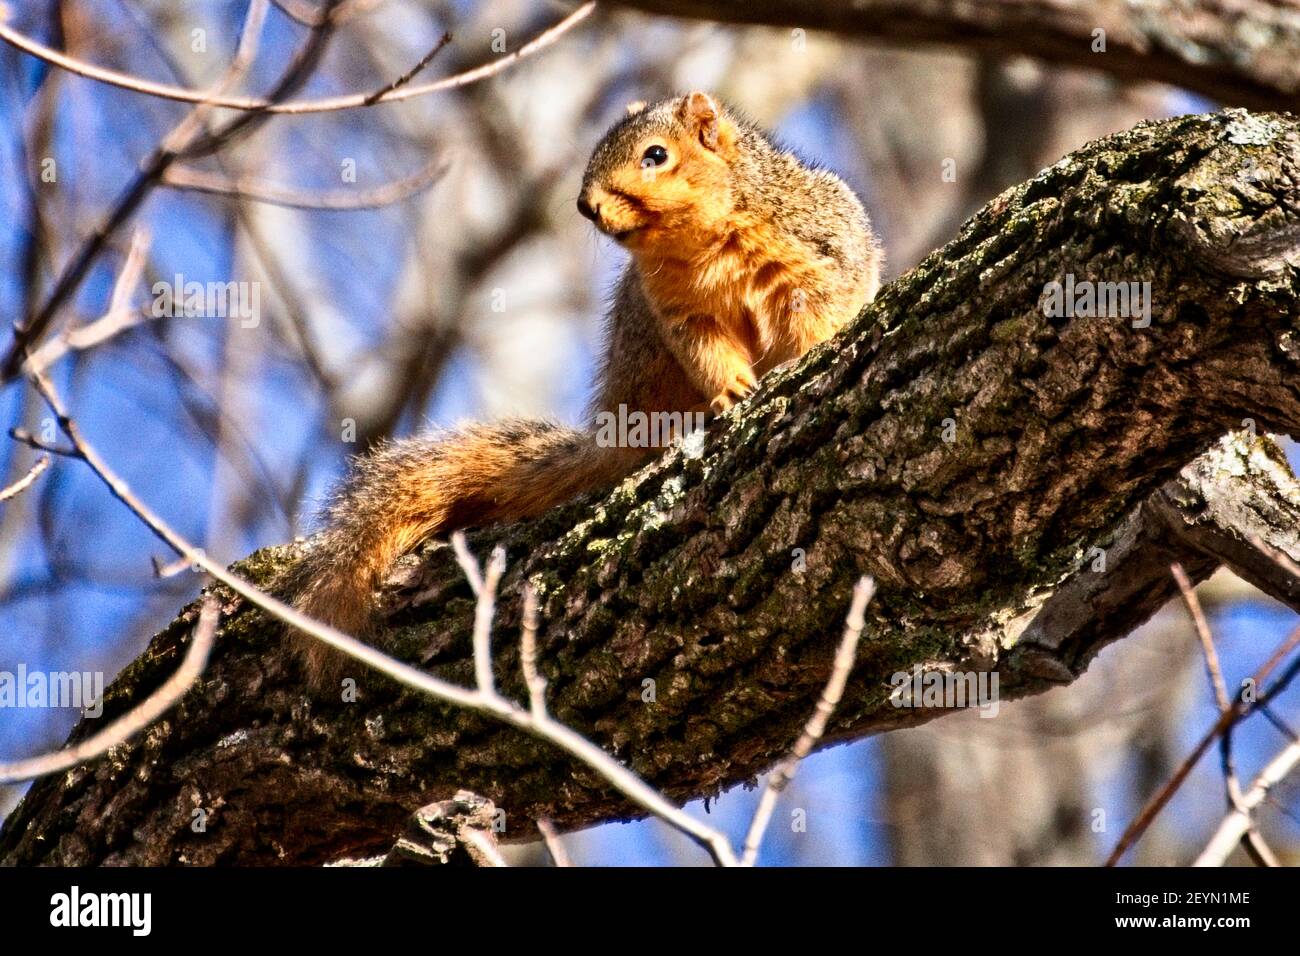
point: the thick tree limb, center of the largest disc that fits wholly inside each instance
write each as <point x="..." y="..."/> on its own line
<point x="1062" y="433"/>
<point x="1237" y="52"/>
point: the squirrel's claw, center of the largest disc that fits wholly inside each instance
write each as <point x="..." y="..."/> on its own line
<point x="743" y="383"/>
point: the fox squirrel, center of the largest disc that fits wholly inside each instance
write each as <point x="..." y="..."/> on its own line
<point x="743" y="257"/>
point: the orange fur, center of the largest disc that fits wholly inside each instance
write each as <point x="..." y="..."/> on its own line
<point x="743" y="258"/>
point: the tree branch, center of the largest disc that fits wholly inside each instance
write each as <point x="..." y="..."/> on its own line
<point x="391" y="93"/>
<point x="1239" y="53"/>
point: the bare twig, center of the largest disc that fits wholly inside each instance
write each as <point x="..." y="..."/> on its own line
<point x="484" y="612"/>
<point x="554" y="845"/>
<point x="183" y="140"/>
<point x="1251" y="839"/>
<point x="129" y="275"/>
<point x="1239" y="821"/>
<point x="23" y="483"/>
<point x="468" y="563"/>
<point x="410" y="74"/>
<point x="1240" y="708"/>
<point x="1203" y="632"/>
<point x="83" y="337"/>
<point x="528" y="653"/>
<point x="313" y="16"/>
<point x="780" y="777"/>
<point x="1280" y="725"/>
<point x="171" y="568"/>
<point x="543" y="726"/>
<point x="119" y="317"/>
<point x="135" y="720"/>
<point x="181" y="177"/>
<point x="325" y="105"/>
<point x="25" y="437"/>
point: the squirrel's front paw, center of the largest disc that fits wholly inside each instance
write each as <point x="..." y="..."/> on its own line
<point x="740" y="386"/>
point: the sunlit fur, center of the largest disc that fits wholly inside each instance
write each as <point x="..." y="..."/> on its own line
<point x="743" y="257"/>
<point x="738" y="243"/>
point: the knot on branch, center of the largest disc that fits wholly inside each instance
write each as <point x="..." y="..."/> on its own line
<point x="455" y="832"/>
<point x="1238" y="213"/>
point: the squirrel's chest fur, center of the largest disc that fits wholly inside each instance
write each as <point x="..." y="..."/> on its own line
<point x="752" y="281"/>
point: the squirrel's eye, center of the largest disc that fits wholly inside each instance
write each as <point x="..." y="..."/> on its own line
<point x="654" y="156"/>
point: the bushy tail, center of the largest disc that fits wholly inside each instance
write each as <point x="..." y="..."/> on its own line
<point x="410" y="490"/>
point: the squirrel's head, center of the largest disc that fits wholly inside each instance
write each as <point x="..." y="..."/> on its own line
<point x="661" y="179"/>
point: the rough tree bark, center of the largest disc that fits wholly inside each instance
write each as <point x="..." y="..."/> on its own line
<point x="958" y="443"/>
<point x="1238" y="52"/>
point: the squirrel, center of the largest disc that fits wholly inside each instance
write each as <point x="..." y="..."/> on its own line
<point x="743" y="257"/>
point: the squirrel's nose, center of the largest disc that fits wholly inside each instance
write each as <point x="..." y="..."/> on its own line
<point x="587" y="209"/>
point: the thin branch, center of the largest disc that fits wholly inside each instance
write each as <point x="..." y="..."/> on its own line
<point x="484" y="612"/>
<point x="296" y="311"/>
<point x="183" y="140"/>
<point x="171" y="568"/>
<point x="311" y="16"/>
<point x="1203" y="632"/>
<point x="1239" y="709"/>
<point x="543" y="726"/>
<point x="328" y="104"/>
<point x="129" y="275"/>
<point x="135" y="720"/>
<point x="119" y="317"/>
<point x="528" y="652"/>
<point x="83" y="337"/>
<point x="1279" y="724"/>
<point x="23" y="483"/>
<point x="25" y="437"/>
<point x="780" y="778"/>
<point x="245" y="187"/>
<point x="554" y="845"/>
<point x="1239" y="821"/>
<point x="468" y="563"/>
<point x="410" y="74"/>
<point x="1252" y="841"/>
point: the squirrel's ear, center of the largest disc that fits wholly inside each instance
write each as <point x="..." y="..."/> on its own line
<point x="702" y="114"/>
<point x="636" y="106"/>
